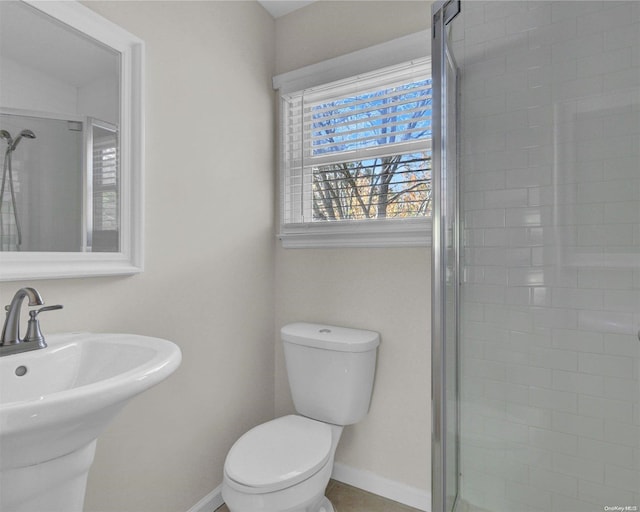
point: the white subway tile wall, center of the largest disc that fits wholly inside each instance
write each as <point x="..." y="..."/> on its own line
<point x="550" y="151"/>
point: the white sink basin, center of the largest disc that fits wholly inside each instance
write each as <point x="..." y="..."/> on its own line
<point x="57" y="400"/>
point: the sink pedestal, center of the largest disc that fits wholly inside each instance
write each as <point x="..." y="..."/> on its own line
<point x="54" y="404"/>
<point x="56" y="485"/>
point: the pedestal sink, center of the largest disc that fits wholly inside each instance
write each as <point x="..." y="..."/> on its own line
<point x="55" y="402"/>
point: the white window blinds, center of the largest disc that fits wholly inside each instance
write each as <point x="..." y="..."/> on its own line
<point x="105" y="188"/>
<point x="105" y="185"/>
<point x="358" y="149"/>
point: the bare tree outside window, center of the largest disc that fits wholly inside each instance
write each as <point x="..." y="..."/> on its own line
<point x="394" y="186"/>
<point x="389" y="187"/>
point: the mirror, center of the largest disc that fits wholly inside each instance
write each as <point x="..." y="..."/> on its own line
<point x="71" y="120"/>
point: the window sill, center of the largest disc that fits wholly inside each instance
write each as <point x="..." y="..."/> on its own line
<point x="374" y="233"/>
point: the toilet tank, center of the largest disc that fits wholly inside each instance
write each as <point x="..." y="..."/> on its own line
<point x="331" y="370"/>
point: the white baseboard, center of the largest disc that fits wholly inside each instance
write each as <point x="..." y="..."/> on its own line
<point x="390" y="489"/>
<point x="210" y="502"/>
<point x="366" y="480"/>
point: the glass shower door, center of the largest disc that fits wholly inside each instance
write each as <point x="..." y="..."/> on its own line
<point x="445" y="265"/>
<point x="549" y="306"/>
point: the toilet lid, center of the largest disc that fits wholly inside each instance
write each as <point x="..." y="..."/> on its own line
<point x="279" y="453"/>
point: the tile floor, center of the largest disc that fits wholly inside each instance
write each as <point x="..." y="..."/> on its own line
<point x="351" y="499"/>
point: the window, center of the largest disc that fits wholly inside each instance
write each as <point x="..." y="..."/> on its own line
<point x="356" y="160"/>
<point x="105" y="219"/>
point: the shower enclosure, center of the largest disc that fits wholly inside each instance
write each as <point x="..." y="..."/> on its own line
<point x="46" y="183"/>
<point x="59" y="192"/>
<point x="536" y="256"/>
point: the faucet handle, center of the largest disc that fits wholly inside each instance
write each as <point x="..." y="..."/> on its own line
<point x="33" y="327"/>
<point x="34" y="312"/>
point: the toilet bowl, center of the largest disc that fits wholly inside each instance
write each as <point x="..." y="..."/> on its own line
<point x="284" y="465"/>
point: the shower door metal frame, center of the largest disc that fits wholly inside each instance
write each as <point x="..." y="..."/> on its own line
<point x="443" y="12"/>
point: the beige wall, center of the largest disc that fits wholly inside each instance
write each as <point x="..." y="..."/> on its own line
<point x="330" y="28"/>
<point x="387" y="290"/>
<point x="209" y="278"/>
<point x="208" y="282"/>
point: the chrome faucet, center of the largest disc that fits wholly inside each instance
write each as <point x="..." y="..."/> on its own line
<point x="10" y="341"/>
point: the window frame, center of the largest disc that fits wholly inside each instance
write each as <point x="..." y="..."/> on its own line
<point x="406" y="232"/>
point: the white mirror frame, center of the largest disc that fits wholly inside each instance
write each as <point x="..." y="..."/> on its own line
<point x="130" y="260"/>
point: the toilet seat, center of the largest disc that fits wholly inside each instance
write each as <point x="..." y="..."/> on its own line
<point x="278" y="454"/>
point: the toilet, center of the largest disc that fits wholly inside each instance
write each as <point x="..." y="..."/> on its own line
<point x="284" y="465"/>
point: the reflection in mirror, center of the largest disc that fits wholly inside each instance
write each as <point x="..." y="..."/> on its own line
<point x="71" y="137"/>
<point x="41" y="185"/>
<point x="59" y="193"/>
<point x="57" y="92"/>
<point x="103" y="209"/>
